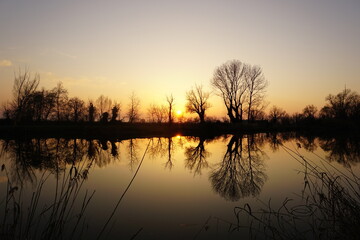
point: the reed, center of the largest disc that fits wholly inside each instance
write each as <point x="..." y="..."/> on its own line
<point x="328" y="206"/>
<point x="59" y="220"/>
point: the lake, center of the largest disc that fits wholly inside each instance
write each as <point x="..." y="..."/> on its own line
<point x="179" y="187"/>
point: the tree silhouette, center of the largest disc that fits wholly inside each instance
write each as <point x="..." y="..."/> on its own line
<point x="344" y="105"/>
<point x="115" y="112"/>
<point x="309" y="112"/>
<point x="276" y="114"/>
<point x="157" y="113"/>
<point x="76" y="109"/>
<point x="239" y="84"/>
<point x="197" y="102"/>
<point x="229" y="80"/>
<point x="92" y="112"/>
<point x="133" y="108"/>
<point x="170" y="100"/>
<point x="256" y="86"/>
<point x="24" y="87"/>
<point x="61" y="98"/>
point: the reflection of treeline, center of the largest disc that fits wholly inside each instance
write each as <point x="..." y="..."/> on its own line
<point x="26" y="156"/>
<point x="328" y="205"/>
<point x="239" y="173"/>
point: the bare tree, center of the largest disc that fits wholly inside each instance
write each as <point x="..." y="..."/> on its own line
<point x="197" y="102"/>
<point x="41" y="105"/>
<point x="61" y="97"/>
<point x="309" y="112"/>
<point x="24" y="86"/>
<point x="229" y="80"/>
<point x="133" y="111"/>
<point x="256" y="86"/>
<point x="76" y="109"/>
<point x="344" y="105"/>
<point x="276" y="114"/>
<point x="170" y="100"/>
<point x="103" y="104"/>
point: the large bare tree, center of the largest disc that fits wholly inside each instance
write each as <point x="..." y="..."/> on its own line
<point x="256" y="86"/>
<point x="242" y="88"/>
<point x="197" y="102"/>
<point x="229" y="80"/>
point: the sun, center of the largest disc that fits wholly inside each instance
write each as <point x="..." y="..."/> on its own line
<point x="178" y="112"/>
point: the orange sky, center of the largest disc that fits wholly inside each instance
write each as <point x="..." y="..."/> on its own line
<point x="307" y="49"/>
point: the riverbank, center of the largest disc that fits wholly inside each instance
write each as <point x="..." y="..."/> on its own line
<point x="121" y="130"/>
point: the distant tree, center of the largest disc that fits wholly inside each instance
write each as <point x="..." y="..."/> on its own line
<point x="309" y="112"/>
<point x="76" y="108"/>
<point x="256" y="85"/>
<point x="197" y="102"/>
<point x="24" y="87"/>
<point x="41" y="105"/>
<point x="104" y="117"/>
<point x="115" y="112"/>
<point x="344" y="105"/>
<point x="7" y="110"/>
<point x="170" y="100"/>
<point x="133" y="108"/>
<point x="92" y="112"/>
<point x="156" y="113"/>
<point x="103" y="104"/>
<point x="276" y="114"/>
<point x="61" y="98"/>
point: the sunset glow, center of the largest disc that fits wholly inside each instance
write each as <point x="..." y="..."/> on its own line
<point x="179" y="112"/>
<point x="306" y="49"/>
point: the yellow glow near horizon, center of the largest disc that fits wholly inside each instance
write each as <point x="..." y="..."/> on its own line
<point x="179" y="112"/>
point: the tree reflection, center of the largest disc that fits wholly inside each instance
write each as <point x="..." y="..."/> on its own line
<point x="157" y="148"/>
<point x="307" y="142"/>
<point x="196" y="157"/>
<point x="344" y="150"/>
<point x="241" y="172"/>
<point x="170" y="150"/>
<point x="133" y="154"/>
<point x="31" y="155"/>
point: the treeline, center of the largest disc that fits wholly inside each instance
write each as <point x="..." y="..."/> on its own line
<point x="30" y="104"/>
<point x="241" y="86"/>
<point x="341" y="108"/>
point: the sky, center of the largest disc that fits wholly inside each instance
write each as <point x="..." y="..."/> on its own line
<point x="306" y="49"/>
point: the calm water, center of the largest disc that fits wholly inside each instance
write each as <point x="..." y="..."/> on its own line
<point x="184" y="187"/>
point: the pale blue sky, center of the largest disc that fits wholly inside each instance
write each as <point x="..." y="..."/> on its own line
<point x="307" y="49"/>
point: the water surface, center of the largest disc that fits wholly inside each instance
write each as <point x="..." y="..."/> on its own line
<point x="182" y="188"/>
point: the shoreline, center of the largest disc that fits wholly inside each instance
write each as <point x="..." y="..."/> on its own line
<point x="120" y="130"/>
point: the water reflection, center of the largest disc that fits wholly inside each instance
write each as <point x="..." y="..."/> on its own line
<point x="234" y="166"/>
<point x="196" y="156"/>
<point x="344" y="150"/>
<point x="241" y="173"/>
